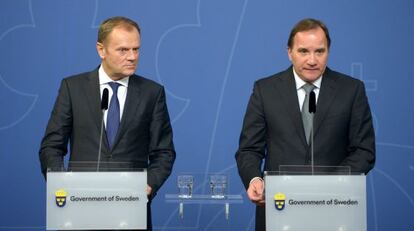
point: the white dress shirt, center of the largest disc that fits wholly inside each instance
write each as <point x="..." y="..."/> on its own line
<point x="122" y="90"/>
<point x="301" y="91"/>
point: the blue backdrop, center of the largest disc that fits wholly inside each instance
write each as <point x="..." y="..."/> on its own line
<point x="207" y="53"/>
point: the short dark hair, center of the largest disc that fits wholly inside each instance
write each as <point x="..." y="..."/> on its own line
<point x="305" y="25"/>
<point x="109" y="24"/>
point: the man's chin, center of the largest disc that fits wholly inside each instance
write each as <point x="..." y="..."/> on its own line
<point x="129" y="72"/>
<point x="311" y="78"/>
<point x="122" y="75"/>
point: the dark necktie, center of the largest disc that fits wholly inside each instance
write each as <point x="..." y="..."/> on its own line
<point x="306" y="116"/>
<point x="112" y="119"/>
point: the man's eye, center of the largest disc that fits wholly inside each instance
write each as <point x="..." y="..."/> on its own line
<point x="321" y="51"/>
<point x="303" y="51"/>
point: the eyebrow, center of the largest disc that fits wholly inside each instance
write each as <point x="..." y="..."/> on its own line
<point x="127" y="48"/>
<point x="301" y="49"/>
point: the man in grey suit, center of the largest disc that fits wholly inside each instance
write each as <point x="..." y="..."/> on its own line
<point x="273" y="129"/>
<point x="142" y="137"/>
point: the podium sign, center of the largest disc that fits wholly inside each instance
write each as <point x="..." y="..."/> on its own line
<point x="96" y="200"/>
<point x="323" y="203"/>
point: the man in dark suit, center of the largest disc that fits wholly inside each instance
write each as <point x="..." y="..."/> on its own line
<point x="141" y="134"/>
<point x="273" y="128"/>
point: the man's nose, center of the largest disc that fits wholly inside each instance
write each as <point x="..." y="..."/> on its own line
<point x="132" y="55"/>
<point x="312" y="59"/>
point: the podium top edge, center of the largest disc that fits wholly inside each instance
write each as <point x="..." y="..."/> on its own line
<point x="312" y="170"/>
<point x="95" y="166"/>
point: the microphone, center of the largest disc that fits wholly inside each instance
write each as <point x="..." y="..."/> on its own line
<point x="105" y="96"/>
<point x="104" y="107"/>
<point x="312" y="110"/>
<point x="312" y="102"/>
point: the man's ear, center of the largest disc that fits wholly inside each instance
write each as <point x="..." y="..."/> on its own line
<point x="289" y="52"/>
<point x="100" y="49"/>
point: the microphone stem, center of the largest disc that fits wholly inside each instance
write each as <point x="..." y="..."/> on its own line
<point x="312" y="163"/>
<point x="100" y="142"/>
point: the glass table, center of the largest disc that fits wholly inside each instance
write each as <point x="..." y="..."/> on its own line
<point x="204" y="199"/>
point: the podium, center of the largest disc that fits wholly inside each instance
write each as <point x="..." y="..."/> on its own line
<point x="315" y="198"/>
<point x="87" y="199"/>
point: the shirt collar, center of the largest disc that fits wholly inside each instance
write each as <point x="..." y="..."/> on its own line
<point x="299" y="82"/>
<point x="104" y="78"/>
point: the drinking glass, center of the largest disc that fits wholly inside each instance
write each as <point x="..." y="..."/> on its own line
<point x="185" y="186"/>
<point x="218" y="186"/>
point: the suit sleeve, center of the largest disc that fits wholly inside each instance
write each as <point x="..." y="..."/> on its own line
<point x="361" y="147"/>
<point x="161" y="151"/>
<point x="251" y="150"/>
<point x="54" y="143"/>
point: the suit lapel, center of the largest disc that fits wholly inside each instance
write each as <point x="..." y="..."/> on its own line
<point x="131" y="104"/>
<point x="327" y="95"/>
<point x="93" y="97"/>
<point x="289" y="96"/>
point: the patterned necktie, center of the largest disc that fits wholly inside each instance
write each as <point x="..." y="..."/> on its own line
<point x="306" y="116"/>
<point x="113" y="120"/>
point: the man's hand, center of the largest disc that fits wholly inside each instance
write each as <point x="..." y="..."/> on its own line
<point x="255" y="192"/>
<point x="149" y="190"/>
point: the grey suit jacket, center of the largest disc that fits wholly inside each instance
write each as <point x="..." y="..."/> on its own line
<point x="273" y="129"/>
<point x="144" y="138"/>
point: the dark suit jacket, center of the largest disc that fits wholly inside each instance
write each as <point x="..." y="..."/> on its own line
<point x="144" y="138"/>
<point x="273" y="129"/>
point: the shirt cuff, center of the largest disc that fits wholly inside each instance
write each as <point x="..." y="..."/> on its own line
<point x="255" y="178"/>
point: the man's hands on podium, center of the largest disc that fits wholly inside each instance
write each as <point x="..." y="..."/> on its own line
<point x="255" y="192"/>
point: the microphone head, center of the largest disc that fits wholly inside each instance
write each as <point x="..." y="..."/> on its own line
<point x="104" y="102"/>
<point x="312" y="102"/>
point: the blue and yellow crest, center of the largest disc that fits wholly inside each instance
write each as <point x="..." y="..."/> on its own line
<point x="280" y="201"/>
<point x="60" y="197"/>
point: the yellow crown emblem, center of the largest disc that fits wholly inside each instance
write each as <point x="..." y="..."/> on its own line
<point x="280" y="197"/>
<point x="60" y="193"/>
